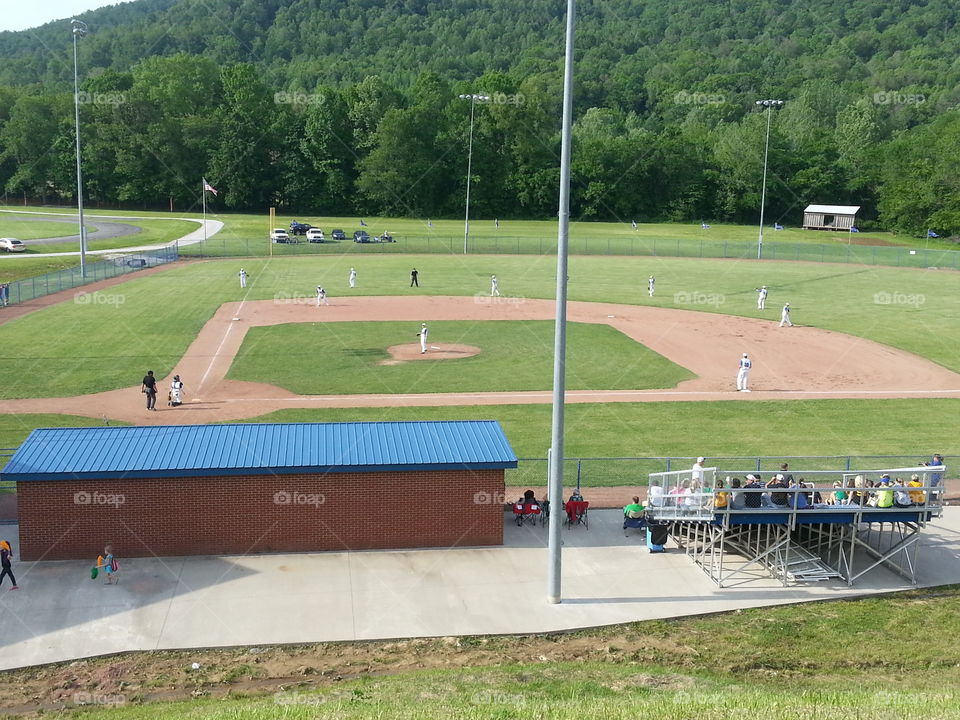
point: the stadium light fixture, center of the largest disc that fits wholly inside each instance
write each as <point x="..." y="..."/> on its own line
<point x="79" y="30"/>
<point x="474" y="98"/>
<point x="769" y="105"/>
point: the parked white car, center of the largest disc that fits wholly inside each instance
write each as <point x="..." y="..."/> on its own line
<point x="12" y="245"/>
<point x="279" y="235"/>
<point x="315" y="235"/>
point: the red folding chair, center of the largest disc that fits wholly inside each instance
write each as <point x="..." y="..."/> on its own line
<point x="526" y="513"/>
<point x="576" y="511"/>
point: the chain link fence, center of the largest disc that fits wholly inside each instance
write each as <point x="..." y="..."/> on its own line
<point x="630" y="246"/>
<point x="21" y="291"/>
<point x="614" y="472"/>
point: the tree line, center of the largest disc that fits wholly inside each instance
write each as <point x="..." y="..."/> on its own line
<point x="314" y="107"/>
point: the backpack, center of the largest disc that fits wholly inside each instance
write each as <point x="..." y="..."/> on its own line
<point x="114" y="565"/>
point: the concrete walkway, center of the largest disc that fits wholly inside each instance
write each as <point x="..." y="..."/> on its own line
<point x="163" y="603"/>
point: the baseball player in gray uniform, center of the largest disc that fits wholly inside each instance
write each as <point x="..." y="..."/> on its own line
<point x="785" y="316"/>
<point x="761" y="297"/>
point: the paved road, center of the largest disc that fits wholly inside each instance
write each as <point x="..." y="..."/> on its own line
<point x="104" y="231"/>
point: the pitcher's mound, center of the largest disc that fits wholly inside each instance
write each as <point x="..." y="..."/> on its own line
<point x="405" y="353"/>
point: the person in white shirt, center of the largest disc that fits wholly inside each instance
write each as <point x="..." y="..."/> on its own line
<point x="785" y="316"/>
<point x="761" y="297"/>
<point x="423" y="338"/>
<point x="744" y="373"/>
<point x="651" y="285"/>
<point x="321" y="296"/>
<point x="353" y="277"/>
<point x="696" y="472"/>
<point x="243" y="278"/>
<point x="494" y="286"/>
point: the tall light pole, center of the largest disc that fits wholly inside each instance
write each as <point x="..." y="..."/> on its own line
<point x="769" y="105"/>
<point x="79" y="30"/>
<point x="555" y="477"/>
<point x="474" y="98"/>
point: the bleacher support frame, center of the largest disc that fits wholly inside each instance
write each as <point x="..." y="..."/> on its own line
<point x="792" y="544"/>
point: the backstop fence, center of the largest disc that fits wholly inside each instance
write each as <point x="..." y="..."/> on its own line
<point x="847" y="253"/>
<point x="121" y="264"/>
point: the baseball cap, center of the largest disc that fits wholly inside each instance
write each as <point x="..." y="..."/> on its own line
<point x="744" y="354"/>
<point x="701" y="459"/>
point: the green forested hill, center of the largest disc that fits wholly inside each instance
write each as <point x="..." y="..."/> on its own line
<point x="351" y="104"/>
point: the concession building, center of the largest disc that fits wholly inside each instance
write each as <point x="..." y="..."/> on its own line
<point x="259" y="488"/>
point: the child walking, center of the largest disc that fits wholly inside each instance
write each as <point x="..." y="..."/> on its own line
<point x="110" y="565"/>
<point x="5" y="554"/>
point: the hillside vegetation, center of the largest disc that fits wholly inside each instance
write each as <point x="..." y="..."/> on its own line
<point x="351" y="107"/>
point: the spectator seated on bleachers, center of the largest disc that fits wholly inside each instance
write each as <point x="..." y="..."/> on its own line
<point x="918" y="497"/>
<point x="778" y="499"/>
<point x="721" y="498"/>
<point x="754" y="498"/>
<point x="738" y="498"/>
<point x="901" y="497"/>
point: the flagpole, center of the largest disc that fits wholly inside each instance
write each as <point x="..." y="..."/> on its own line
<point x="203" y="193"/>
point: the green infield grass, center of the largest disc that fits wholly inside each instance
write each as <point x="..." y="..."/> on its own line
<point x="148" y="322"/>
<point x="333" y="358"/>
<point x="877" y="658"/>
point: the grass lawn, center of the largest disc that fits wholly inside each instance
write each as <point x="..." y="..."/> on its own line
<point x="23" y="266"/>
<point x="913" y="429"/>
<point x="26" y="227"/>
<point x="335" y="358"/>
<point x="87" y="348"/>
<point x="152" y="232"/>
<point x="880" y="657"/>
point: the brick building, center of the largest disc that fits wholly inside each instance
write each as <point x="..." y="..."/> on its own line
<point x="253" y="488"/>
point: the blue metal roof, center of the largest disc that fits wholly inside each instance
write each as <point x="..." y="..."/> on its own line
<point x="258" y="449"/>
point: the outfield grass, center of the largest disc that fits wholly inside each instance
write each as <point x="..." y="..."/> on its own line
<point x="912" y="428"/>
<point x="72" y="348"/>
<point x="880" y="657"/>
<point x="331" y="358"/>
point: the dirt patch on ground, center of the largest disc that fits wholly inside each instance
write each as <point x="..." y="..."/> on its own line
<point x="411" y="352"/>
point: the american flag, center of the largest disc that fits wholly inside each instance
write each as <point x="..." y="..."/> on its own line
<point x="209" y="188"/>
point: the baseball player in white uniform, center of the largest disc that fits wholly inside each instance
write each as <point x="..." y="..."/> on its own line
<point x="423" y="338"/>
<point x="651" y="285"/>
<point x="243" y="278"/>
<point x="785" y="316"/>
<point x="321" y="296"/>
<point x="494" y="286"/>
<point x="353" y="277"/>
<point x="761" y="297"/>
<point x="744" y="373"/>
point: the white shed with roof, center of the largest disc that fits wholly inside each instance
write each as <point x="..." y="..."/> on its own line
<point x="830" y="217"/>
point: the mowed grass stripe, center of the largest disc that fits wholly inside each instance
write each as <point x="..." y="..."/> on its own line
<point x="346" y="358"/>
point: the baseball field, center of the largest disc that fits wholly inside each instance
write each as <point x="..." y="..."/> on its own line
<point x="870" y="366"/>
